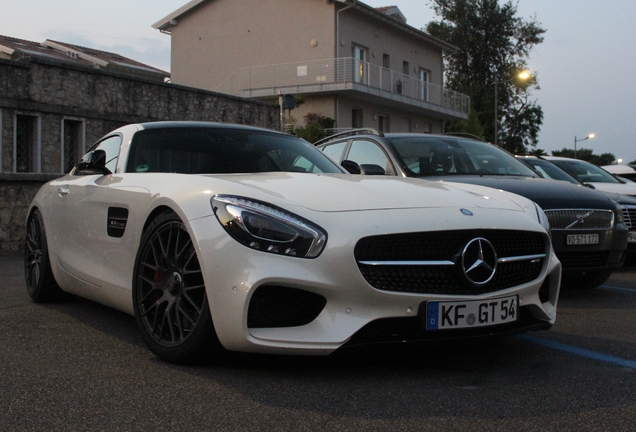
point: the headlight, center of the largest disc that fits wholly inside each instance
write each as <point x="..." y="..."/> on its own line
<point x="267" y="228"/>
<point x="620" y="214"/>
<point x="543" y="219"/>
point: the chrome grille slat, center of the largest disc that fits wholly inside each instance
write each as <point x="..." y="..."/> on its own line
<point x="580" y="219"/>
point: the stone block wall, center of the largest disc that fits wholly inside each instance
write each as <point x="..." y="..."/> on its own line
<point x="103" y="101"/>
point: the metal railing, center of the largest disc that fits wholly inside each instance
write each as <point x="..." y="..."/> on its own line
<point x="340" y="74"/>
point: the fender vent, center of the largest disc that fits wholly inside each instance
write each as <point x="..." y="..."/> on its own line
<point x="117" y="218"/>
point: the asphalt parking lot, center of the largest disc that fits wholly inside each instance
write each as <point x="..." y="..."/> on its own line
<point x="81" y="366"/>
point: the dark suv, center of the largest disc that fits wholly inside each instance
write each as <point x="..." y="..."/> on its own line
<point x="588" y="231"/>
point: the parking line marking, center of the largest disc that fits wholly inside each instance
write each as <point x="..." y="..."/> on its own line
<point x="632" y="290"/>
<point x="580" y="351"/>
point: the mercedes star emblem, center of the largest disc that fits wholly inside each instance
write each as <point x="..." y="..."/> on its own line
<point x="479" y="261"/>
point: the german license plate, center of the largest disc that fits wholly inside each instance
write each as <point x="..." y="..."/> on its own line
<point x="442" y="315"/>
<point x="632" y="237"/>
<point x="582" y="239"/>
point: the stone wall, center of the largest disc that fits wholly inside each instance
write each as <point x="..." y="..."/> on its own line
<point x="102" y="101"/>
<point x="16" y="193"/>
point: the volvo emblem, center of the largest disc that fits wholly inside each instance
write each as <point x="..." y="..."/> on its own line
<point x="466" y="212"/>
<point x="479" y="261"/>
<point x="580" y="219"/>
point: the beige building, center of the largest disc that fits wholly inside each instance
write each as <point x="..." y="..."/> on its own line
<point x="362" y="66"/>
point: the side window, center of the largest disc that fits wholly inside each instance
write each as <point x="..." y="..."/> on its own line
<point x="367" y="152"/>
<point x="334" y="151"/>
<point x="111" y="146"/>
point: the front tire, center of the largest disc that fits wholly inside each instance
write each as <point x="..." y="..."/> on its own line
<point x="169" y="297"/>
<point x="38" y="275"/>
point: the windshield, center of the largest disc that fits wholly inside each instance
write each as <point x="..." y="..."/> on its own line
<point x="205" y="150"/>
<point x="549" y="170"/>
<point x="434" y="155"/>
<point x="584" y="171"/>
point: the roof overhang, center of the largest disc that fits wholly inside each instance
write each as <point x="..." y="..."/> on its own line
<point x="166" y="23"/>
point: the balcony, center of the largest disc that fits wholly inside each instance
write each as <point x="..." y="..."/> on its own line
<point x="353" y="78"/>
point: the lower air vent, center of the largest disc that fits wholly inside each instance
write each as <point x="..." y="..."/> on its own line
<point x="275" y="306"/>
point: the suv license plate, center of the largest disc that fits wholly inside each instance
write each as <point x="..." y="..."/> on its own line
<point x="632" y="237"/>
<point x="582" y="239"/>
<point x="442" y="315"/>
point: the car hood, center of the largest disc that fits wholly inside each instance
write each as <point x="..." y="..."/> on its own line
<point x="549" y="194"/>
<point x="346" y="192"/>
<point x="617" y="188"/>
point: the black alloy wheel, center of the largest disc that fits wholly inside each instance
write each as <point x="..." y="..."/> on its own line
<point x="38" y="275"/>
<point x="170" y="302"/>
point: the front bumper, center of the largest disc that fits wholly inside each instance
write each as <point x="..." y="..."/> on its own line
<point x="233" y="273"/>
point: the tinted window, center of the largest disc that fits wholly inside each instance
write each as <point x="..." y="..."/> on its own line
<point x="367" y="152"/>
<point x="334" y="151"/>
<point x="111" y="146"/>
<point x="223" y="150"/>
<point x="550" y="171"/>
<point x="424" y="156"/>
<point x="585" y="171"/>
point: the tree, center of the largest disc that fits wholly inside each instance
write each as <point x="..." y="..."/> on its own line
<point x="586" y="155"/>
<point x="493" y="47"/>
<point x="471" y="125"/>
<point x="314" y="128"/>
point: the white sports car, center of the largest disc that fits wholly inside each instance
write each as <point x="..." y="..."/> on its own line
<point x="224" y="237"/>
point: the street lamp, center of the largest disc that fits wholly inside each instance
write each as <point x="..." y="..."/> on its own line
<point x="579" y="140"/>
<point x="523" y="75"/>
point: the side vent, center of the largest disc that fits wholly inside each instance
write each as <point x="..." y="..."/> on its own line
<point x="117" y="218"/>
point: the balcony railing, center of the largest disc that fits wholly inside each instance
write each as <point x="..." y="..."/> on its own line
<point x="340" y="74"/>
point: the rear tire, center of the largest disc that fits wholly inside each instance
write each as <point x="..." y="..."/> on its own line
<point x="169" y="297"/>
<point x="38" y="275"/>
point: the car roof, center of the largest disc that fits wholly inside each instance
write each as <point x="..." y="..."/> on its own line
<point x="202" y="124"/>
<point x="619" y="169"/>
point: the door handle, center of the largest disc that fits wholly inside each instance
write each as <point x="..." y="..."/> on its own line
<point x="63" y="191"/>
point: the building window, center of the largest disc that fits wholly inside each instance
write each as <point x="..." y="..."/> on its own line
<point x="405" y="68"/>
<point x="26" y="139"/>
<point x="356" y="118"/>
<point x="72" y="143"/>
<point x="386" y="61"/>
<point x="360" y="64"/>
<point x="424" y="77"/>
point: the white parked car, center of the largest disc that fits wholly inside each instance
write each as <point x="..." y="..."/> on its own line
<point x="623" y="172"/>
<point x="588" y="173"/>
<point x="223" y="237"/>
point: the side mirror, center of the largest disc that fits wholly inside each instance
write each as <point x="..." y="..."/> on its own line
<point x="372" y="169"/>
<point x="93" y="162"/>
<point x="351" y="167"/>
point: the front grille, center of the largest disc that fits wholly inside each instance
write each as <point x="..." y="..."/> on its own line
<point x="430" y="262"/>
<point x="629" y="214"/>
<point x="583" y="259"/>
<point x="580" y="219"/>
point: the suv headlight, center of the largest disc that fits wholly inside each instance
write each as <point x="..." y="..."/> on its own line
<point x="267" y="228"/>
